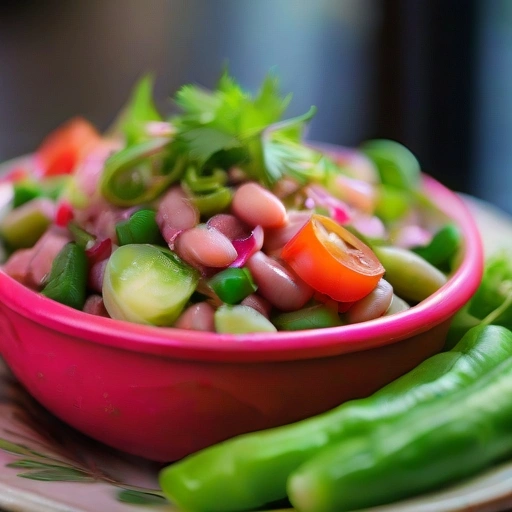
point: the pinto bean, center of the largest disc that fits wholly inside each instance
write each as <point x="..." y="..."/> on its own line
<point x="94" y="306"/>
<point x="96" y="274"/>
<point x="229" y="225"/>
<point x="198" y="317"/>
<point x="275" y="239"/>
<point x="175" y="213"/>
<point x="278" y="284"/>
<point x="255" y="205"/>
<point x="202" y="246"/>
<point x="258" y="303"/>
<point x="374" y="305"/>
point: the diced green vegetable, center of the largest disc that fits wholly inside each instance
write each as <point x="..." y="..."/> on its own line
<point x="67" y="280"/>
<point x="23" y="226"/>
<point x="241" y="319"/>
<point x="25" y="191"/>
<point x="82" y="237"/>
<point x="443" y="246"/>
<point x="147" y="284"/>
<point x="233" y="284"/>
<point x="314" y="317"/>
<point x="140" y="228"/>
<point x="396" y="164"/>
<point x="392" y="204"/>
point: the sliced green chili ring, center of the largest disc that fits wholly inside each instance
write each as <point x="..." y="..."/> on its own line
<point x="212" y="203"/>
<point x="67" y="281"/>
<point x="204" y="183"/>
<point x="233" y="285"/>
<point x="315" y="317"/>
<point x="137" y="174"/>
<point x="140" y="228"/>
<point x="443" y="246"/>
<point x="25" y="191"/>
<point x="82" y="237"/>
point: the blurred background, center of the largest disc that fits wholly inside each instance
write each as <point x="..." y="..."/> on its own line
<point x="436" y="75"/>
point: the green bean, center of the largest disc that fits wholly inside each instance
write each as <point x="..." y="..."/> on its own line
<point x="439" y="443"/>
<point x="251" y="470"/>
<point x="412" y="277"/>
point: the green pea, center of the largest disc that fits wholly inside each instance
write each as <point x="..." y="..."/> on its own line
<point x="233" y="285"/>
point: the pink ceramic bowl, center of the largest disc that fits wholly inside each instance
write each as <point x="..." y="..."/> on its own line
<point x="163" y="393"/>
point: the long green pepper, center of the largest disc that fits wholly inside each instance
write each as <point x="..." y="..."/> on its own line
<point x="441" y="442"/>
<point x="250" y="471"/>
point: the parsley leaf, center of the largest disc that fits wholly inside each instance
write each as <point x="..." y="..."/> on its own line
<point x="139" y="110"/>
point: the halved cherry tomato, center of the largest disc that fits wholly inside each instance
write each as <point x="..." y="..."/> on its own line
<point x="63" y="148"/>
<point x="332" y="260"/>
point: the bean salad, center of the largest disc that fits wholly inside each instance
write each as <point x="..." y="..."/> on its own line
<point x="222" y="218"/>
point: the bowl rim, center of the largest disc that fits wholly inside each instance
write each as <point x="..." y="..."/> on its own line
<point x="171" y="342"/>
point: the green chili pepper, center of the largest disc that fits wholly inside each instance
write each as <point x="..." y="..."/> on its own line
<point x="140" y="228"/>
<point x="207" y="191"/>
<point x="204" y="183"/>
<point x="313" y="317"/>
<point x="441" y="442"/>
<point x="250" y="471"/>
<point x="233" y="285"/>
<point x="67" y="281"/>
<point x="139" y="173"/>
<point x="443" y="246"/>
<point x="412" y="277"/>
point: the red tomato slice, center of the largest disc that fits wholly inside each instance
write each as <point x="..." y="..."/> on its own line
<point x="332" y="260"/>
<point x="63" y="148"/>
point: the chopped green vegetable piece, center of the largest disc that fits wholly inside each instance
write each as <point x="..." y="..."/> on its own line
<point x="314" y="317"/>
<point x="67" y="281"/>
<point x="443" y="246"/>
<point x="25" y="191"/>
<point x="23" y="226"/>
<point x="396" y="164"/>
<point x="82" y="237"/>
<point x="147" y="284"/>
<point x="393" y="203"/>
<point x="233" y="284"/>
<point x="241" y="319"/>
<point x="140" y="228"/>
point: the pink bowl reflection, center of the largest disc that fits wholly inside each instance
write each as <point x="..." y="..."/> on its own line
<point x="163" y="393"/>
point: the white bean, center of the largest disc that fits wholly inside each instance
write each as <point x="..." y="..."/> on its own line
<point x="255" y="205"/>
<point x="278" y="284"/>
